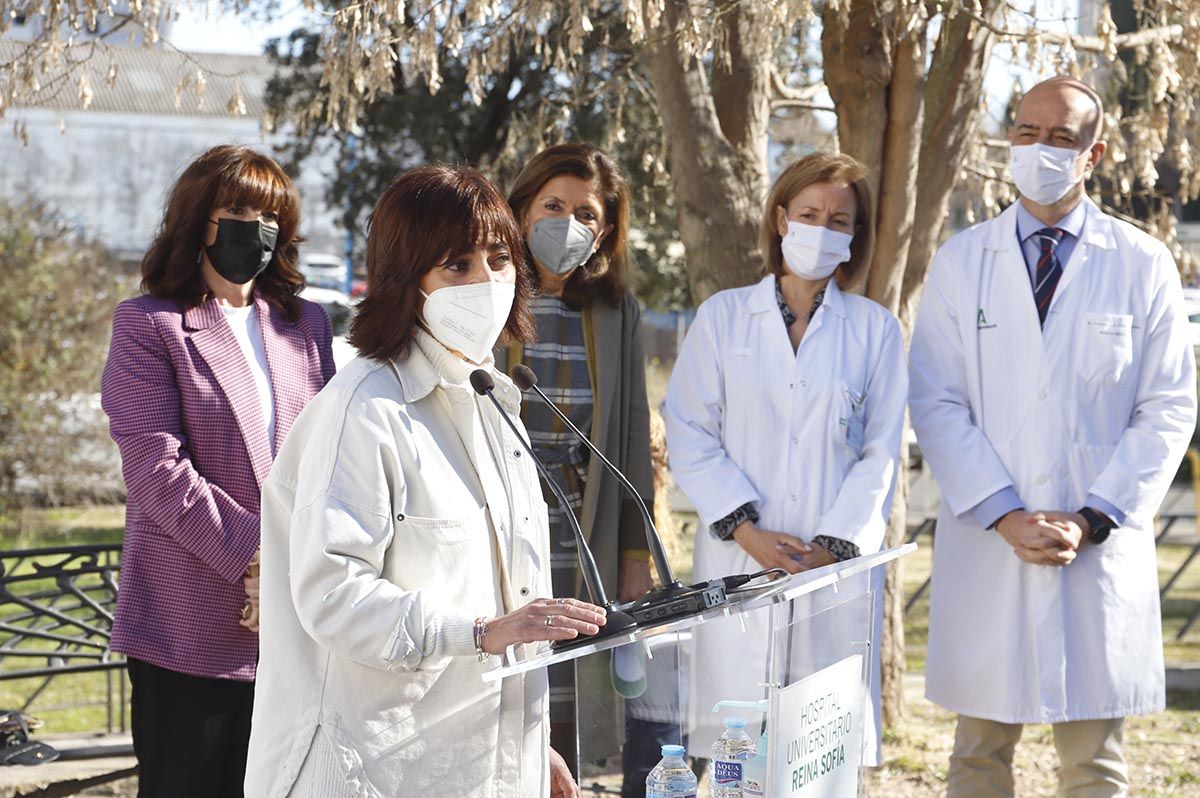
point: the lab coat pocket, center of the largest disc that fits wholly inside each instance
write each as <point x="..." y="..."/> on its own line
<point x="851" y="418"/>
<point x="1107" y="347"/>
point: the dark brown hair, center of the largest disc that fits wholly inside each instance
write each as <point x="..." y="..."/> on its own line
<point x="425" y="217"/>
<point x="606" y="274"/>
<point x="222" y="177"/>
<point x="820" y="167"/>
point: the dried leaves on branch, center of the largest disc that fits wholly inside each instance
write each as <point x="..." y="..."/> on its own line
<point x="1149" y="74"/>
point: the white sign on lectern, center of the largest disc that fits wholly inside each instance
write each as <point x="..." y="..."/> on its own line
<point x="818" y="734"/>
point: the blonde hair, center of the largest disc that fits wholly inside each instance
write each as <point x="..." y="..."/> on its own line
<point x="820" y="167"/>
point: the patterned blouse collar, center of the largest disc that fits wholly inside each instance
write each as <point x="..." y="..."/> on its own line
<point x="789" y="318"/>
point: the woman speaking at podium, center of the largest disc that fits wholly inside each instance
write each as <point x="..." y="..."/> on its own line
<point x="784" y="414"/>
<point x="404" y="534"/>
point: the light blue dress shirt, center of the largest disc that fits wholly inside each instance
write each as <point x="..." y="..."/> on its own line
<point x="1005" y="500"/>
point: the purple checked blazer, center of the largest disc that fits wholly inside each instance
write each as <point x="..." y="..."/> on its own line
<point x="184" y="411"/>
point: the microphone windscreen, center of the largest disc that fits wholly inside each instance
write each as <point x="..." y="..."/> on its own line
<point x="481" y="381"/>
<point x="524" y="377"/>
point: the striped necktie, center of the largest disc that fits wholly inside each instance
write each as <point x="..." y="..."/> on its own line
<point x="1048" y="269"/>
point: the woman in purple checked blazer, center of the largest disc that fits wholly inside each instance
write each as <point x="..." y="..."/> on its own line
<point x="206" y="372"/>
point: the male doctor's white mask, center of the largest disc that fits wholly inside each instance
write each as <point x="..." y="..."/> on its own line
<point x="469" y="318"/>
<point x="814" y="252"/>
<point x="1044" y="174"/>
<point x="561" y="244"/>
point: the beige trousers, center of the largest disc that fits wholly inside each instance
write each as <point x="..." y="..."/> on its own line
<point x="1092" y="764"/>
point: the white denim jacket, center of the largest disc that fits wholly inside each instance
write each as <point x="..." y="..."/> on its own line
<point x="399" y="509"/>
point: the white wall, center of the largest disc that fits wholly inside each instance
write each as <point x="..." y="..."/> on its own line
<point x="108" y="174"/>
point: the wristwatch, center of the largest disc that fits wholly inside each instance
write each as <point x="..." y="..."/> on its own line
<point x="1100" y="523"/>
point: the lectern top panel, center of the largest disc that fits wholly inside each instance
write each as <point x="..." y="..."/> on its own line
<point x="741" y="601"/>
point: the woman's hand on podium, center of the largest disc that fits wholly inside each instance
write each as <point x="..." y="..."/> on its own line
<point x="543" y="619"/>
<point x="772" y="549"/>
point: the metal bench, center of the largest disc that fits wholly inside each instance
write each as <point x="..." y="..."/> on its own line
<point x="56" y="614"/>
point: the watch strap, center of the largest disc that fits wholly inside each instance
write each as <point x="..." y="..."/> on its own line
<point x="1102" y="526"/>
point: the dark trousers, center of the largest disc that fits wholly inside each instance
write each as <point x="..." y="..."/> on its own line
<point x="190" y="733"/>
<point x="644" y="740"/>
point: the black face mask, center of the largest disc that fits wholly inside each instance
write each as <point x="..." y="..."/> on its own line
<point x="242" y="249"/>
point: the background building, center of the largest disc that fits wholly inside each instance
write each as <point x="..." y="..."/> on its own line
<point x="106" y="168"/>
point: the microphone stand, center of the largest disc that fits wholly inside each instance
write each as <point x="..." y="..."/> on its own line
<point x="670" y="587"/>
<point x="616" y="621"/>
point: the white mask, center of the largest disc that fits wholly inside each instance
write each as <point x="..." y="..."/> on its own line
<point x="813" y="252"/>
<point x="469" y="318"/>
<point x="1043" y="173"/>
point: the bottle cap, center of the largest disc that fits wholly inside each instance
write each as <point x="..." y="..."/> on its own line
<point x="673" y="750"/>
<point x="735" y="723"/>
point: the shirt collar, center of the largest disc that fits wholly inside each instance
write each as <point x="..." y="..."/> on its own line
<point x="789" y="316"/>
<point x="1071" y="224"/>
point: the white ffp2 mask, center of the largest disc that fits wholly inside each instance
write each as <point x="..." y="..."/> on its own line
<point x="1043" y="173"/>
<point x="469" y="318"/>
<point x="813" y="252"/>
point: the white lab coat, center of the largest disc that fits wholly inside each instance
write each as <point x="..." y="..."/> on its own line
<point x="1102" y="402"/>
<point x="812" y="437"/>
<point x="399" y="509"/>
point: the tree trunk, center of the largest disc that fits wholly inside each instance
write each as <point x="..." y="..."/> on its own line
<point x="741" y="93"/>
<point x="893" y="660"/>
<point x="952" y="110"/>
<point x="857" y="69"/>
<point x="718" y="195"/>
<point x="898" y="174"/>
<point x="877" y="84"/>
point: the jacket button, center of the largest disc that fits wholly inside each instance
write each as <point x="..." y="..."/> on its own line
<point x="399" y="516"/>
<point x="524" y="591"/>
<point x="516" y="452"/>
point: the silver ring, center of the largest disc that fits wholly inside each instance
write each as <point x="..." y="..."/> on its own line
<point x="560" y="601"/>
<point x="549" y="620"/>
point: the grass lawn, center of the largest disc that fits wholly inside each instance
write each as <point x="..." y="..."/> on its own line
<point x="76" y="702"/>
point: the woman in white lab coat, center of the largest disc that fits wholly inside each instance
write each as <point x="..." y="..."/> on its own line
<point x="784" y="416"/>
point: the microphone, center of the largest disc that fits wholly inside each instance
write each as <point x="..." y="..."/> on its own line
<point x="525" y="379"/>
<point x="616" y="621"/>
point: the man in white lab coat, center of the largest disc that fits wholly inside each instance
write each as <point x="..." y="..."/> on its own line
<point x="1053" y="392"/>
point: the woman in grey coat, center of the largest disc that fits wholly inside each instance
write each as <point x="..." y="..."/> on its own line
<point x="572" y="203"/>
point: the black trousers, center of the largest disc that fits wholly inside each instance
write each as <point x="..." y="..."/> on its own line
<point x="190" y="734"/>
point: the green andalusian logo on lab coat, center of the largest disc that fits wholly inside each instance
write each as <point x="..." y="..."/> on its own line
<point x="981" y="322"/>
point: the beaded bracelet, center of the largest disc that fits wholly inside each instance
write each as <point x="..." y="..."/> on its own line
<point x="477" y="632"/>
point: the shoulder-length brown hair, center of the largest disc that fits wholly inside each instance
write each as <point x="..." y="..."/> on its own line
<point x="606" y="273"/>
<point x="222" y="177"/>
<point x="425" y="217"/>
<point x="820" y="167"/>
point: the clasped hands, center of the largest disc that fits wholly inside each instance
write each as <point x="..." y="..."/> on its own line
<point x="779" y="550"/>
<point x="1044" y="537"/>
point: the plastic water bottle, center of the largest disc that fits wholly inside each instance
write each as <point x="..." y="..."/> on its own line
<point x="729" y="755"/>
<point x="671" y="777"/>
